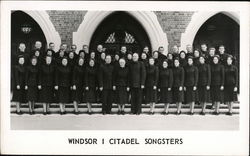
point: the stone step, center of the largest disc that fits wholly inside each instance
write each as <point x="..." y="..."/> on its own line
<point x="83" y="110"/>
<point x="98" y="105"/>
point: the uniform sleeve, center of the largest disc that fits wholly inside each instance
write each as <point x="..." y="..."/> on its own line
<point x="100" y="76"/>
<point x="74" y="75"/>
<point x="27" y="76"/>
<point x="222" y="75"/>
<point x="182" y="77"/>
<point x="86" y="78"/>
<point x="156" y="75"/>
<point x="236" y="76"/>
<point x="16" y="76"/>
<point x="143" y="74"/>
<point x="196" y="76"/>
<point x="208" y="75"/>
<point x="170" y="78"/>
<point x="56" y="76"/>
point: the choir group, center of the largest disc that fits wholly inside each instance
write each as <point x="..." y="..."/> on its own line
<point x="199" y="76"/>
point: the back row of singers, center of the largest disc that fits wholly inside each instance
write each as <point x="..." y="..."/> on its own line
<point x="139" y="79"/>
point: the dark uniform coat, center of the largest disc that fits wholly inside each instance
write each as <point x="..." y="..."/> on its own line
<point x="231" y="81"/>
<point x="78" y="80"/>
<point x="217" y="80"/>
<point x="204" y="81"/>
<point x="178" y="76"/>
<point x="121" y="78"/>
<point x="191" y="80"/>
<point x="63" y="81"/>
<point x="31" y="81"/>
<point x="47" y="82"/>
<point x="165" y="82"/>
<point x="19" y="95"/>
<point x="91" y="83"/>
<point x="152" y="75"/>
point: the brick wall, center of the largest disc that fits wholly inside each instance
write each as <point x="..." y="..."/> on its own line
<point x="66" y="22"/>
<point x="173" y="24"/>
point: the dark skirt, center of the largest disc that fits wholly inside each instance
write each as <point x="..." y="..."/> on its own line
<point x="165" y="95"/>
<point x="121" y="95"/>
<point x="32" y="93"/>
<point x="150" y="95"/>
<point x="204" y="94"/>
<point x="229" y="94"/>
<point x="77" y="95"/>
<point x="90" y="95"/>
<point x="216" y="94"/>
<point x="190" y="95"/>
<point x="19" y="95"/>
<point x="47" y="94"/>
<point x="63" y="94"/>
<point x="178" y="96"/>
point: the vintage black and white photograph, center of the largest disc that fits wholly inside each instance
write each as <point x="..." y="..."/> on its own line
<point x="125" y="70"/>
<point x="147" y="67"/>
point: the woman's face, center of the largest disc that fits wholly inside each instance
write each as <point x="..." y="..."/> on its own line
<point x="196" y="53"/>
<point x="48" y="60"/>
<point x="122" y="62"/>
<point x="190" y="61"/>
<point x="143" y="56"/>
<point x="49" y="53"/>
<point x="37" y="53"/>
<point x="71" y="55"/>
<point x="80" y="62"/>
<point x="92" y="55"/>
<point x="176" y="63"/>
<point x="155" y="55"/>
<point x="21" y="60"/>
<point x="170" y="56"/>
<point x="151" y="61"/>
<point x="64" y="62"/>
<point x="165" y="64"/>
<point x="183" y="55"/>
<point x="116" y="57"/>
<point x="103" y="55"/>
<point x="229" y="61"/>
<point x="202" y="60"/>
<point x="91" y="63"/>
<point x="61" y="53"/>
<point x="215" y="60"/>
<point x="34" y="61"/>
<point x="212" y="52"/>
<point x="82" y="54"/>
<point x="129" y="56"/>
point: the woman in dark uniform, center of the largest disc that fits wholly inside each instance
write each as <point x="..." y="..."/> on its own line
<point x="46" y="83"/>
<point x="78" y="84"/>
<point x="19" y="93"/>
<point x="178" y="76"/>
<point x="121" y="77"/>
<point x="231" y="83"/>
<point x="31" y="84"/>
<point x="165" y="85"/>
<point x="152" y="75"/>
<point x="217" y="83"/>
<point x="190" y="83"/>
<point x="91" y="84"/>
<point x="62" y="81"/>
<point x="196" y="57"/>
<point x="204" y="83"/>
<point x="183" y="59"/>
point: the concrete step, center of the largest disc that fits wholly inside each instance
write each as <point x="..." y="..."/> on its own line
<point x="98" y="105"/>
<point x="97" y="110"/>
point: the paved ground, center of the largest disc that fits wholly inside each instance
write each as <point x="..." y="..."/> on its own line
<point x="123" y="122"/>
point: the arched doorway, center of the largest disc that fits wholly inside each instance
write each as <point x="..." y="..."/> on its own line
<point x="217" y="30"/>
<point x="119" y="29"/>
<point x="19" y="20"/>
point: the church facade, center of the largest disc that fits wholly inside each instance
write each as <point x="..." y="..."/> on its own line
<point x="135" y="29"/>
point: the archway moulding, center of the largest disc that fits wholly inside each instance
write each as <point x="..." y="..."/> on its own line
<point x="198" y="19"/>
<point x="147" y="19"/>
